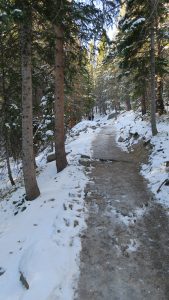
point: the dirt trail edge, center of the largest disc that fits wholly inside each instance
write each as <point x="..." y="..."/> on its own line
<point x="125" y="248"/>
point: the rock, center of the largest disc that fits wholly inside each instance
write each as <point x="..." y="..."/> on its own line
<point x="76" y="223"/>
<point x="167" y="164"/>
<point x="84" y="163"/>
<point x="23" y="208"/>
<point x="51" y="157"/>
<point x="112" y="116"/>
<point x="124" y="213"/>
<point x="167" y="182"/>
<point x="120" y="139"/>
<point x="85" y="156"/>
<point x="136" y="135"/>
<point x="24" y="281"/>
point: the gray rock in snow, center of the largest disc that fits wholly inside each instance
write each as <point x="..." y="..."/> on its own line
<point x="85" y="156"/>
<point x="112" y="116"/>
<point x="120" y="139"/>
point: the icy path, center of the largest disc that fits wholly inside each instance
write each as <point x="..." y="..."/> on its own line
<point x="125" y="248"/>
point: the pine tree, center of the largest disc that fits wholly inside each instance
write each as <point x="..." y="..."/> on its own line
<point x="66" y="28"/>
<point x="152" y="64"/>
<point x="137" y="34"/>
<point x="61" y="161"/>
<point x="10" y="113"/>
<point x="31" y="187"/>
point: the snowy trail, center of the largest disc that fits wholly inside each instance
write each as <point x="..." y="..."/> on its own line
<point x="125" y="248"/>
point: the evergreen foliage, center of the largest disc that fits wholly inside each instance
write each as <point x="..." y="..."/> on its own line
<point x="97" y="73"/>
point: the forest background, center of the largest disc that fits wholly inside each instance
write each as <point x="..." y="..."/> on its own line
<point x="58" y="65"/>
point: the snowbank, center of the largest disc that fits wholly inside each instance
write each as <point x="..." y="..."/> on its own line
<point x="40" y="240"/>
<point x="130" y="129"/>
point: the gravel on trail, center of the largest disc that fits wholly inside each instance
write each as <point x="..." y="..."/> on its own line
<point x="125" y="247"/>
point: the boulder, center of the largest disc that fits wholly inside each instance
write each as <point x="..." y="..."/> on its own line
<point x="51" y="157"/>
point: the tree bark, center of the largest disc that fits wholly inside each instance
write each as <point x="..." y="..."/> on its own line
<point x="159" y="102"/>
<point x="128" y="104"/>
<point x="9" y="166"/>
<point x="4" y="103"/>
<point x="61" y="161"/>
<point x="143" y="103"/>
<point x="153" y="82"/>
<point x="31" y="187"/>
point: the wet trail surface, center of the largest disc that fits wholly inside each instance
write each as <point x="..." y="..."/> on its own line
<point x="125" y="247"/>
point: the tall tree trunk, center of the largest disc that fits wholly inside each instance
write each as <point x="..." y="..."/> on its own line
<point x="153" y="81"/>
<point x="31" y="187"/>
<point x="8" y="164"/>
<point x="4" y="104"/>
<point x="128" y="103"/>
<point x="61" y="161"/>
<point x="160" y="102"/>
<point x="2" y="82"/>
<point x="143" y="103"/>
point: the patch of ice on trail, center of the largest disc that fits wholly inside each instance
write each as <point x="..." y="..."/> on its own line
<point x="128" y="218"/>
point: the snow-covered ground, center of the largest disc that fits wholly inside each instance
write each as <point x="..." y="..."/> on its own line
<point x="40" y="240"/>
<point x="130" y="129"/>
<point x="5" y="184"/>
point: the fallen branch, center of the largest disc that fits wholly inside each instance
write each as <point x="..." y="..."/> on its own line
<point x="24" y="281"/>
<point x="166" y="182"/>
